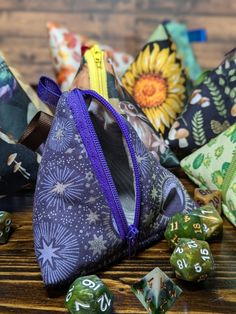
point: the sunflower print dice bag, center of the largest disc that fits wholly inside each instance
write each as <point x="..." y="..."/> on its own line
<point x="157" y="81"/>
<point x="210" y="110"/>
<point x="66" y="49"/>
<point x="213" y="166"/>
<point x="111" y="88"/>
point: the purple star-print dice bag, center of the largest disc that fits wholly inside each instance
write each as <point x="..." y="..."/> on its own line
<point x="100" y="195"/>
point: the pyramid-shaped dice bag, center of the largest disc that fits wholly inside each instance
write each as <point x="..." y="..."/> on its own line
<point x="90" y="210"/>
<point x="213" y="166"/>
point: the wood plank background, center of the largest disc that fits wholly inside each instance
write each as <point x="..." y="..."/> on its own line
<point x="124" y="24"/>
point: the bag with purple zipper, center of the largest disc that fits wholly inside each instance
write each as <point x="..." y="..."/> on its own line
<point x="100" y="195"/>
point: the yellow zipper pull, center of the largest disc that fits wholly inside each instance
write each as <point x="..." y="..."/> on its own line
<point x="98" y="58"/>
<point x="97" y="71"/>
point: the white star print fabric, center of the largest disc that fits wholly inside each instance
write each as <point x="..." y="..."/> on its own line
<point x="74" y="228"/>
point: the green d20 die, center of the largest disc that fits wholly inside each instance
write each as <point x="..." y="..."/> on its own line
<point x="89" y="295"/>
<point x="156" y="291"/>
<point x="183" y="225"/>
<point x="5" y="226"/>
<point x="211" y="220"/>
<point x="192" y="260"/>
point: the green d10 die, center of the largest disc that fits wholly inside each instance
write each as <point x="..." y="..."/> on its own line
<point x="89" y="295"/>
<point x="192" y="260"/>
<point x="5" y="226"/>
<point x="183" y="225"/>
<point x="156" y="291"/>
<point x="211" y="220"/>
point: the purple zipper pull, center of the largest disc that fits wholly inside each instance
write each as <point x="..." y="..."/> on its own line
<point x="48" y="91"/>
<point x="132" y="239"/>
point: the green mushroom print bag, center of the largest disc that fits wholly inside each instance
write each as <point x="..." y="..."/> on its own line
<point x="213" y="166"/>
<point x="210" y="110"/>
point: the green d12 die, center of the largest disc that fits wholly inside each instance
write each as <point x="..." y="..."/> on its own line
<point x="192" y="260"/>
<point x="5" y="226"/>
<point x="156" y="291"/>
<point x="183" y="225"/>
<point x="89" y="295"/>
<point x="211" y="220"/>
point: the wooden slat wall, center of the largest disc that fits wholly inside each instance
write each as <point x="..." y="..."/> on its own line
<point x="124" y="24"/>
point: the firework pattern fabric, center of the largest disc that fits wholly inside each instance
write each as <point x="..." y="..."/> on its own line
<point x="210" y="110"/>
<point x="18" y="102"/>
<point x="213" y="167"/>
<point x="124" y="103"/>
<point x="66" y="50"/>
<point x="74" y="229"/>
<point x="156" y="80"/>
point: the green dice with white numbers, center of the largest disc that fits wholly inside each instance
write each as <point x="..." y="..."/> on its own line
<point x="183" y="226"/>
<point x="192" y="260"/>
<point x="5" y="226"/>
<point x="211" y="221"/>
<point x="89" y="295"/>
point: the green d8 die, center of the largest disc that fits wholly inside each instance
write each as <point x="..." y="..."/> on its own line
<point x="5" y="226"/>
<point x="192" y="260"/>
<point x="156" y="291"/>
<point x="89" y="295"/>
<point x="211" y="220"/>
<point x="183" y="225"/>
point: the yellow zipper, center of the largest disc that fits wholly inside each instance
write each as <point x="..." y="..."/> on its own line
<point x="97" y="71"/>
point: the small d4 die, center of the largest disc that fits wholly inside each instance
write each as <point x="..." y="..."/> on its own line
<point x="183" y="225"/>
<point x="192" y="260"/>
<point x="89" y="295"/>
<point x="156" y="291"/>
<point x="204" y="197"/>
<point x="5" y="226"/>
<point x="211" y="221"/>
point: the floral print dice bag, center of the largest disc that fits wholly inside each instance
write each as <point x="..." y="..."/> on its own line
<point x="99" y="195"/>
<point x="214" y="167"/>
<point x="66" y="49"/>
<point x="157" y="81"/>
<point x="210" y="110"/>
<point x="97" y="73"/>
<point x="18" y="101"/>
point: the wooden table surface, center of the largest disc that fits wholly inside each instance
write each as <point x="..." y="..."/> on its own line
<point x="22" y="290"/>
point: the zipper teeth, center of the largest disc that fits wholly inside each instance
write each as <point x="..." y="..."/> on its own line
<point x="120" y="219"/>
<point x="97" y="73"/>
<point x="108" y="177"/>
<point x="98" y="81"/>
<point x="229" y="176"/>
<point x="103" y="77"/>
<point x="125" y="132"/>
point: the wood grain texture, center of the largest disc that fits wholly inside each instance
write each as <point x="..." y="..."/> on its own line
<point x="22" y="291"/>
<point x="23" y="35"/>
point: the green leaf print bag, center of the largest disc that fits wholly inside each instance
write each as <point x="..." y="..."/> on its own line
<point x="213" y="166"/>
